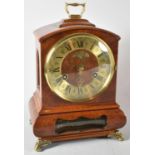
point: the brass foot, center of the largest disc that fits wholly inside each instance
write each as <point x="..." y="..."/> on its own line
<point x="41" y="143"/>
<point x="117" y="135"/>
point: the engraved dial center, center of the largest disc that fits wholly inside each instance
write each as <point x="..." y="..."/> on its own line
<point x="79" y="66"/>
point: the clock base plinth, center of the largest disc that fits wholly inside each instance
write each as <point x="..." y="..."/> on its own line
<point x="102" y="121"/>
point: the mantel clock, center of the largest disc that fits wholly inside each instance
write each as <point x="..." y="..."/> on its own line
<point x="76" y="82"/>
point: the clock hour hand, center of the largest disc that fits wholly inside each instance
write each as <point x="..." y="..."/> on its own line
<point x="80" y="69"/>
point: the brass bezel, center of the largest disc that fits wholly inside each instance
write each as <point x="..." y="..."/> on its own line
<point x="106" y="84"/>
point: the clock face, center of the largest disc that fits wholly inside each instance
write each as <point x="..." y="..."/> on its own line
<point x="79" y="67"/>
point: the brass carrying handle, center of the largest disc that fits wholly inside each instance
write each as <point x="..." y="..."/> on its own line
<point x="83" y="5"/>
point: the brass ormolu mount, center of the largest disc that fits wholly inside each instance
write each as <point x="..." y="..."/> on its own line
<point x="117" y="135"/>
<point x="42" y="144"/>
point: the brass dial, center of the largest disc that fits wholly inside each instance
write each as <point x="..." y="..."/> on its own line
<point x="79" y="67"/>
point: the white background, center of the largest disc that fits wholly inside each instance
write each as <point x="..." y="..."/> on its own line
<point x="142" y="77"/>
<point x="107" y="14"/>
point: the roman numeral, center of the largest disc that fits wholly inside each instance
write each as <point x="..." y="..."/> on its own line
<point x="68" y="89"/>
<point x="59" y="80"/>
<point x="80" y="43"/>
<point x="80" y="90"/>
<point x="56" y="69"/>
<point x="68" y="47"/>
<point x="59" y="57"/>
<point x="93" y="45"/>
<point x="92" y="86"/>
<point x="100" y="54"/>
<point x="99" y="78"/>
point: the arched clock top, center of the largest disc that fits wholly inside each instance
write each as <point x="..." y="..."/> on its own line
<point x="46" y="32"/>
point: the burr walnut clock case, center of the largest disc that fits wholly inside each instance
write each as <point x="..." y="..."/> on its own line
<point x="76" y="82"/>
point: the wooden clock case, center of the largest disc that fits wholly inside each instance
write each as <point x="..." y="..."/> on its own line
<point x="46" y="108"/>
